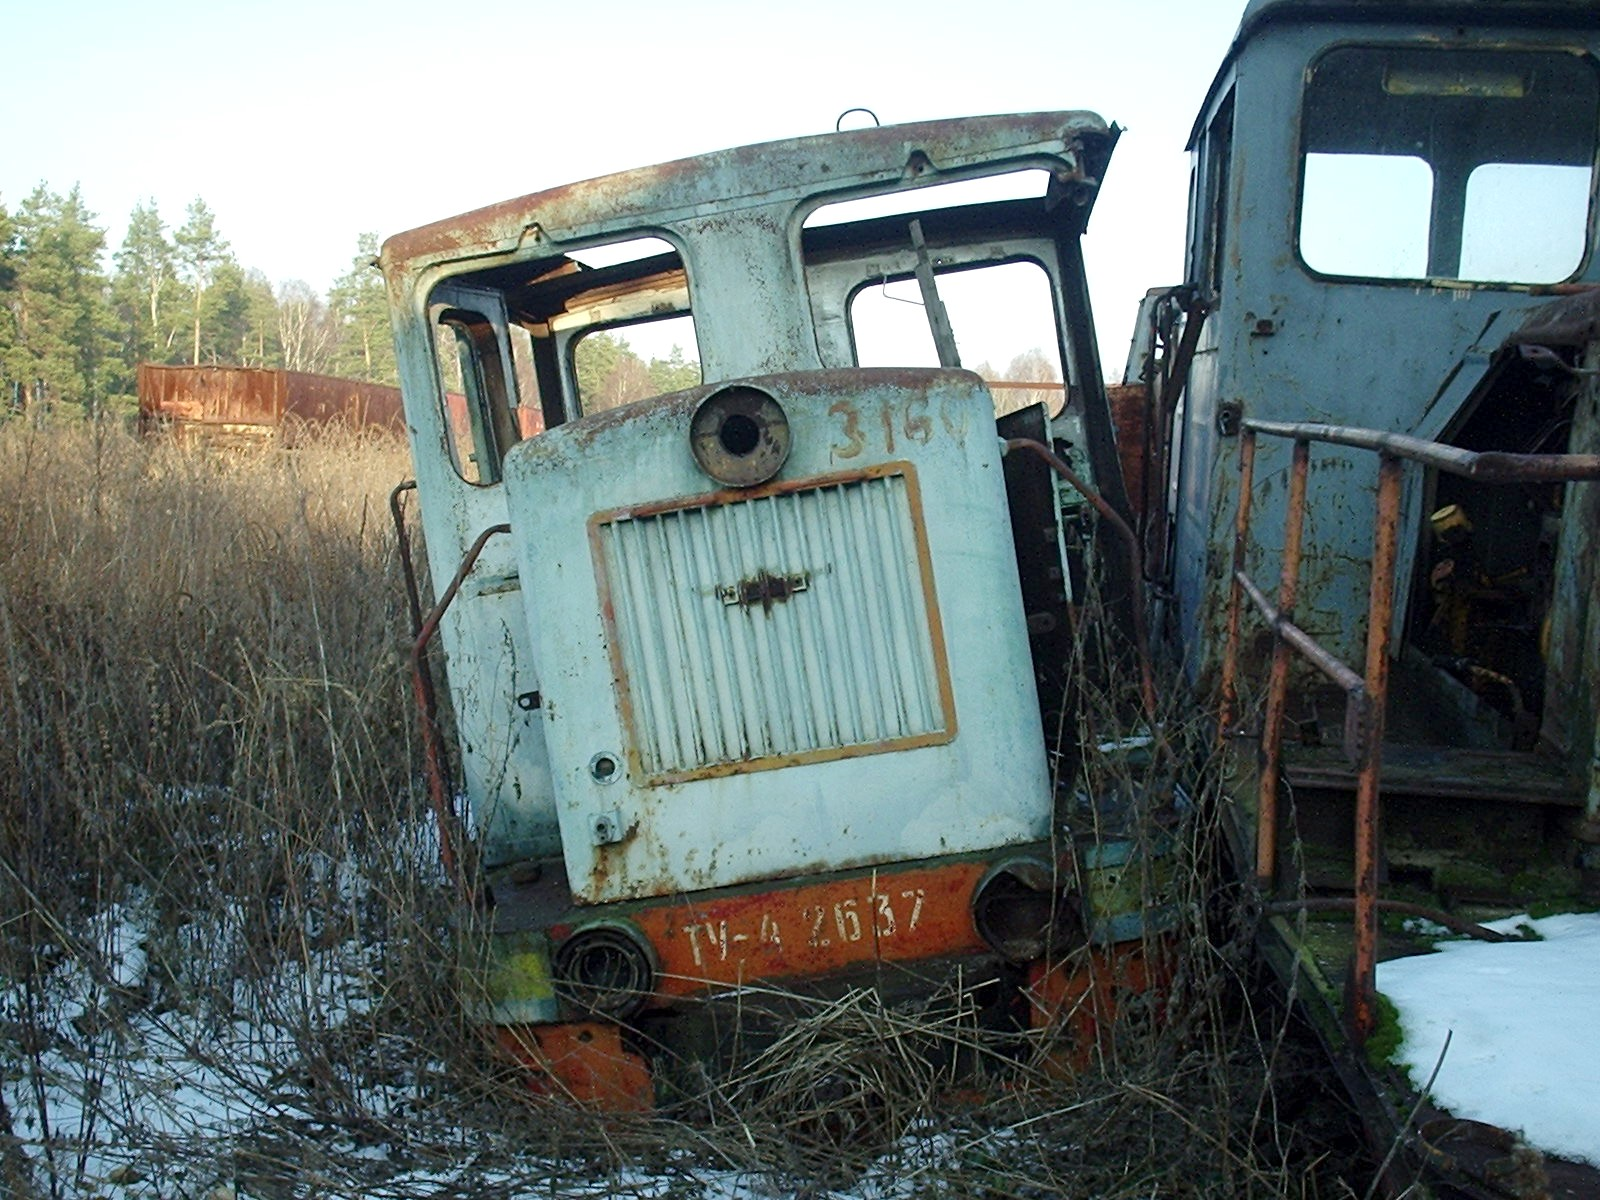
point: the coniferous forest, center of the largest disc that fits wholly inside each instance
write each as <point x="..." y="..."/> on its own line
<point x="77" y="317"/>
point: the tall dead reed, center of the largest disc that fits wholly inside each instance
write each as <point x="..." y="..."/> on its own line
<point x="207" y="806"/>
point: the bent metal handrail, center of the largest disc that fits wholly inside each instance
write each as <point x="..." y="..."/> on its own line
<point x="1366" y="694"/>
<point x="444" y="813"/>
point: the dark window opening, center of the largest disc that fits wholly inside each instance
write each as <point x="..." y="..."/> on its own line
<point x="482" y="420"/>
<point x="1219" y="155"/>
<point x="603" y="325"/>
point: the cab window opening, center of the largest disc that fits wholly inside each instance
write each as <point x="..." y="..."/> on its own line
<point x="622" y="363"/>
<point x="520" y="329"/>
<point x="1003" y="317"/>
<point x="479" y="422"/>
<point x="1447" y="164"/>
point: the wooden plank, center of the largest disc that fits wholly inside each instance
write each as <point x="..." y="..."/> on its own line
<point x="1518" y="778"/>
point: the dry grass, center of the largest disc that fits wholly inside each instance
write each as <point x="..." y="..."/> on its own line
<point x="204" y="722"/>
<point x="217" y="894"/>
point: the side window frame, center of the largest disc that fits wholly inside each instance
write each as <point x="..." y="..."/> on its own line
<point x="570" y="339"/>
<point x="475" y="320"/>
<point x="1446" y="211"/>
<point x="1218" y="172"/>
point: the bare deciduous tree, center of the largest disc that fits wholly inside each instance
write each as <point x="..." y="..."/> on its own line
<point x="305" y="334"/>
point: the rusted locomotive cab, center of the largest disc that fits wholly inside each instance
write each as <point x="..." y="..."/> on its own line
<point x="747" y="683"/>
<point x="810" y="673"/>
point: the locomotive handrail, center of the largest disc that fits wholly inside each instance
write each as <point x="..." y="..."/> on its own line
<point x="1367" y="694"/>
<point x="432" y="749"/>
<point x="1485" y="466"/>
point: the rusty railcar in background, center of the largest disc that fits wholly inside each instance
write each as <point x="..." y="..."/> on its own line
<point x="257" y="404"/>
<point x="757" y="683"/>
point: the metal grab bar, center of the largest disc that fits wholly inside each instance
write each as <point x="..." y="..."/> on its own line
<point x="444" y="814"/>
<point x="1365" y="713"/>
<point x="1367" y="694"/>
<point x="1486" y="466"/>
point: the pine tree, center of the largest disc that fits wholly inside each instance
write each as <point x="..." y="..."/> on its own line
<point x="360" y="311"/>
<point x="674" y="372"/>
<point x="201" y="254"/>
<point x="142" y="289"/>
<point x="8" y="279"/>
<point x="59" y="311"/>
<point x="256" y="336"/>
<point x="595" y="360"/>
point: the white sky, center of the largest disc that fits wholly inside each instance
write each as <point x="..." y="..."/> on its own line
<point x="305" y="124"/>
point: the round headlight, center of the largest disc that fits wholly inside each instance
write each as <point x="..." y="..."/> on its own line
<point x="607" y="968"/>
<point x="740" y="436"/>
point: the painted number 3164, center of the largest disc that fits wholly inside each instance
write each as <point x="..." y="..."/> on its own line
<point x="881" y="425"/>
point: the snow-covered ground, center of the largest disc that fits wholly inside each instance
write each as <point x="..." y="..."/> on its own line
<point x="284" y="1088"/>
<point x="1522" y="1020"/>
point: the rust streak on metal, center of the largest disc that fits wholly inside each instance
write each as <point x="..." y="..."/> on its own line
<point x="407" y="566"/>
<point x="1362" y="1011"/>
<point x="765" y="589"/>
<point x="1278" y="685"/>
<point x="688" y="184"/>
<point x="257" y="404"/>
<point x="1229" y="712"/>
<point x="421" y="671"/>
<point x="1147" y="678"/>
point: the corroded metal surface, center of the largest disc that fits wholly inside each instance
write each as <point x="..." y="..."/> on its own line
<point x="1228" y="714"/>
<point x="669" y="191"/>
<point x="1278" y="683"/>
<point x="1362" y="1014"/>
<point x="1372" y="687"/>
<point x="1081" y="1000"/>
<point x="584" y="1063"/>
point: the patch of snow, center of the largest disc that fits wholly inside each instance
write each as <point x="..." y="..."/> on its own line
<point x="1422" y="927"/>
<point x="120" y="934"/>
<point x="1523" y="1050"/>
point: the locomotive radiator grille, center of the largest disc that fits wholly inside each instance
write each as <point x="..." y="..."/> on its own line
<point x="795" y="623"/>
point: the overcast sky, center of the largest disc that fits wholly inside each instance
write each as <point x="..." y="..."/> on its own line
<point x="303" y="124"/>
